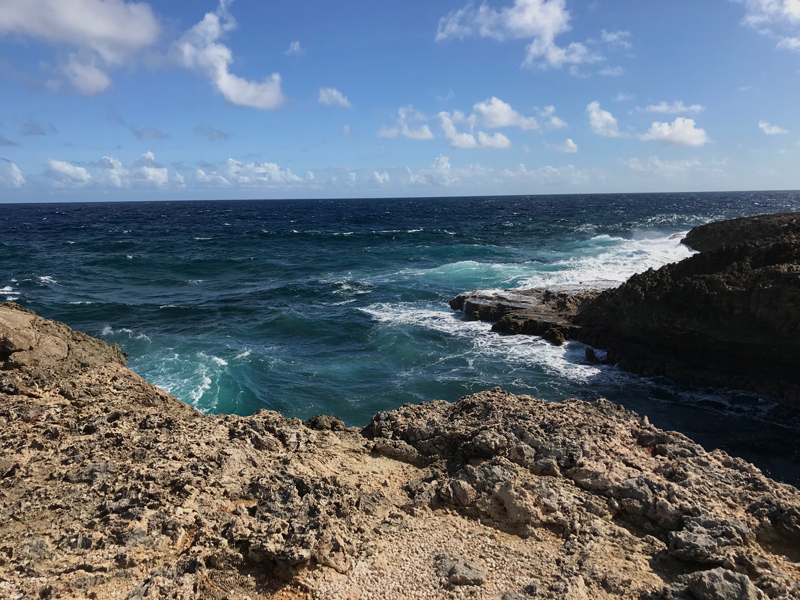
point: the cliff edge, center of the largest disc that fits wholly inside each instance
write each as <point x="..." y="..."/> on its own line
<point x="111" y="488"/>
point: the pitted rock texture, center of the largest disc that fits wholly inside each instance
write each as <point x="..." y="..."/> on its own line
<point x="111" y="488"/>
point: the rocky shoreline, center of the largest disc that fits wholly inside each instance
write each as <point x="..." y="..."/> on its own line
<point x="728" y="316"/>
<point x="111" y="488"/>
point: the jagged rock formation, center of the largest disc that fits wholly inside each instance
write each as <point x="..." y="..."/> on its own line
<point x="111" y="488"/>
<point x="728" y="316"/>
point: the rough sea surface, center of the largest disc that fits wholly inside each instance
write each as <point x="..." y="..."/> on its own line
<point x="340" y="307"/>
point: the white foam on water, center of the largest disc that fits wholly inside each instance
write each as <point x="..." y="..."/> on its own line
<point x="201" y="239"/>
<point x="243" y="354"/>
<point x="196" y="281"/>
<point x="567" y="361"/>
<point x="414" y="230"/>
<point x="83" y="302"/>
<point x="610" y="259"/>
<point x="130" y="257"/>
<point x="12" y="295"/>
<point x="108" y="331"/>
<point x="47" y="279"/>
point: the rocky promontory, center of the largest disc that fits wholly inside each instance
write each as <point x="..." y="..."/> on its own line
<point x="727" y="316"/>
<point x="111" y="488"/>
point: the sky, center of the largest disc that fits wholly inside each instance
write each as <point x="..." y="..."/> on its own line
<point x="106" y="100"/>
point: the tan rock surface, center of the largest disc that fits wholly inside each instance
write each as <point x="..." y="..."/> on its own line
<point x="111" y="488"/>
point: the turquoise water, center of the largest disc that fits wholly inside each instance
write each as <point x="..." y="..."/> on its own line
<point x="340" y="307"/>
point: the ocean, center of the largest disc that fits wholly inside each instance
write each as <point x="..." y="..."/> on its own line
<point x="341" y="306"/>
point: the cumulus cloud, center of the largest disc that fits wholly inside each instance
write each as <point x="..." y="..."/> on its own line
<point x="10" y="176"/>
<point x="442" y="173"/>
<point x="493" y="142"/>
<point x="568" y="147"/>
<point x="676" y="108"/>
<point x="109" y="172"/>
<point x="623" y="97"/>
<point x="214" y="135"/>
<point x="779" y="19"/>
<point x="199" y="49"/>
<point x="539" y="20"/>
<point x="234" y="173"/>
<point x="64" y="175"/>
<point x="333" y="97"/>
<point x="549" y="118"/>
<point x="103" y="33"/>
<point x="295" y="50"/>
<point x="682" y="132"/>
<point x="602" y="122"/>
<point x="410" y="124"/>
<point x="771" y="129"/>
<point x="494" y="113"/>
<point x="619" y="39"/>
<point x="381" y="178"/>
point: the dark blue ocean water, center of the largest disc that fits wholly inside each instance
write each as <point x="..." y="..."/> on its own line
<point x="340" y="307"/>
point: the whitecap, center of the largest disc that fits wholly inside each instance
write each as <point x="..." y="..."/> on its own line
<point x="47" y="279"/>
<point x="567" y="361"/>
<point x="243" y="354"/>
<point x="196" y="281"/>
<point x="202" y="239"/>
<point x="6" y="290"/>
<point x="414" y="230"/>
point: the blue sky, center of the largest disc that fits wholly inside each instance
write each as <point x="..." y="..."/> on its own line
<point x="120" y="100"/>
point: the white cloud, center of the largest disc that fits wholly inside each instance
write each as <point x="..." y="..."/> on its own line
<point x="602" y="122"/>
<point x="295" y="50"/>
<point x="346" y="131"/>
<point x="112" y="173"/>
<point x="493" y="142"/>
<point x="619" y="39"/>
<point x="494" y="113"/>
<point x="467" y="141"/>
<point x="779" y="19"/>
<point x="64" y="175"/>
<point x="612" y="72"/>
<point x="11" y="176"/>
<point x="442" y="173"/>
<point x="233" y="173"/>
<point x="333" y="97"/>
<point x="675" y="108"/>
<point x="105" y="33"/>
<point x="682" y="132"/>
<point x="622" y="97"/>
<point x="463" y="141"/>
<point x="549" y="118"/>
<point x="539" y="20"/>
<point x="790" y="43"/>
<point x="771" y="129"/>
<point x="381" y="178"/>
<point x="670" y="170"/>
<point x="549" y="175"/>
<point x="199" y="49"/>
<point x="146" y="172"/>
<point x="410" y="124"/>
<point x="568" y="147"/>
<point x="85" y="77"/>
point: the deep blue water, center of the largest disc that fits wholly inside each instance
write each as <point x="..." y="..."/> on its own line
<point x="340" y="307"/>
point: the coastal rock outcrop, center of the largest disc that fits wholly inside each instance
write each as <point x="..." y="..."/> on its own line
<point x="726" y="317"/>
<point x="111" y="488"/>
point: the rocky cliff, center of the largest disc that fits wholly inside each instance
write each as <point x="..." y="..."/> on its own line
<point x="111" y="488"/>
<point x="728" y="316"/>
